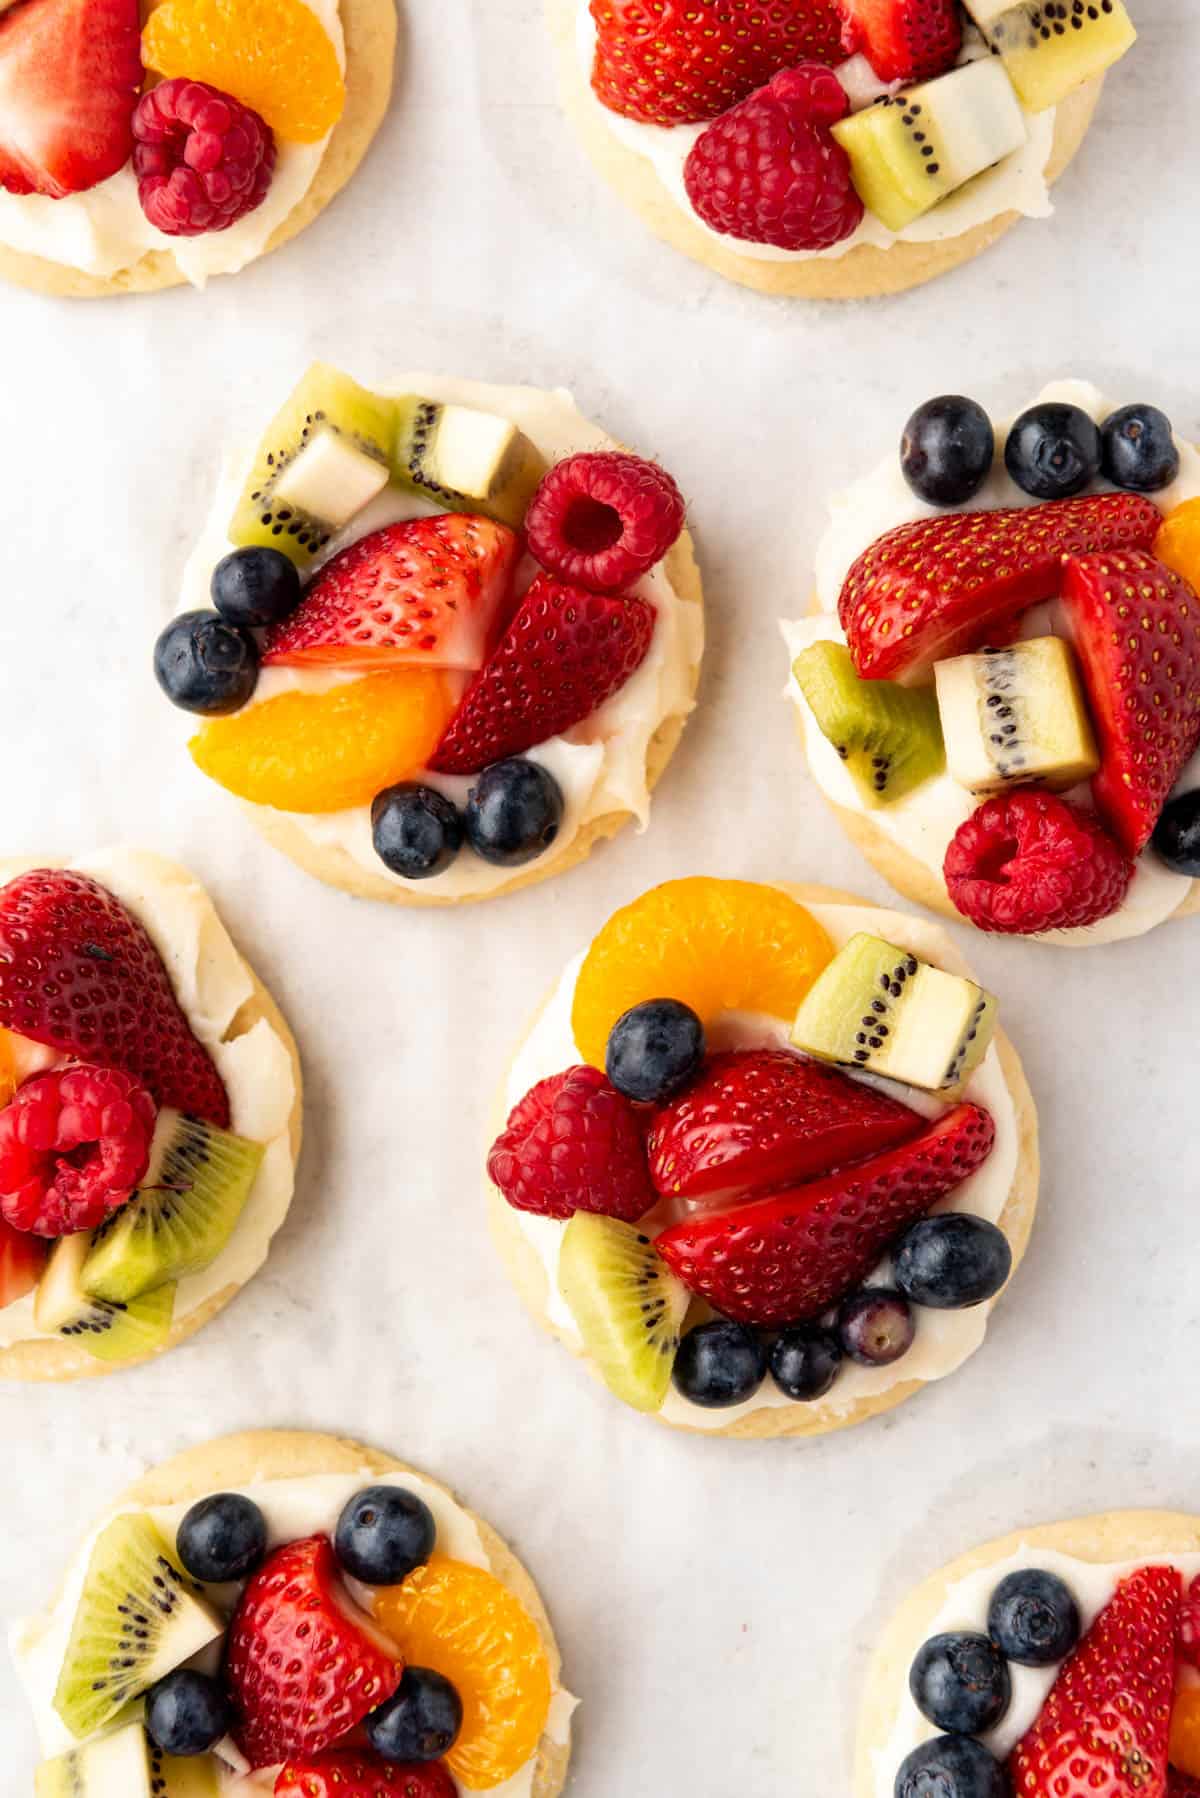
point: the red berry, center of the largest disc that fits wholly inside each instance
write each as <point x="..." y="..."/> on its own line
<point x="1027" y="861"/>
<point x="1189" y="1624"/>
<point x="202" y="159"/>
<point x="603" y="518"/>
<point x="574" y="1144"/>
<point x="70" y="75"/>
<point x="73" y="1145"/>
<point x="769" y="170"/>
<point x="905" y="40"/>
<point x="351" y="1773"/>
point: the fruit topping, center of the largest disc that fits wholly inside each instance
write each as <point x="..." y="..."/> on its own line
<point x="349" y="1773"/>
<point x="513" y="813"/>
<point x="464" y="460"/>
<point x="1189" y="1625"/>
<point x="124" y="1764"/>
<point x="941" y="585"/>
<point x="951" y="1262"/>
<point x="947" y="450"/>
<point x="107" y="1332"/>
<point x="655" y="1050"/>
<point x="1176" y="838"/>
<point x="627" y="1305"/>
<point x="1027" y="862"/>
<point x="1138" y="449"/>
<point x="1136" y="626"/>
<point x="80" y="974"/>
<point x="70" y="74"/>
<point x="603" y="518"/>
<point x="876" y="1326"/>
<point x="951" y="1767"/>
<point x="1184" y="1745"/>
<point x="904" y="40"/>
<point x="787" y="1257"/>
<point x="274" y="55"/>
<point x="1182" y="1785"/>
<point x="805" y="1361"/>
<point x="768" y="170"/>
<point x="222" y="1537"/>
<point x="1033" y="1618"/>
<point x="1178" y="541"/>
<point x="73" y="1145"/>
<point x="890" y="737"/>
<point x="1053" y="451"/>
<point x="717" y="945"/>
<point x="187" y="1713"/>
<point x="202" y="160"/>
<point x="22" y="1261"/>
<point x="960" y="1681"/>
<point x="420" y="1721"/>
<point x="573" y="1143"/>
<point x="1014" y="715"/>
<point x="302" y="1664"/>
<point x="255" y="587"/>
<point x="719" y="1363"/>
<point x="1045" y="60"/>
<point x="204" y="664"/>
<point x="383" y="1535"/>
<point x="763" y="1117"/>
<point x="416" y="831"/>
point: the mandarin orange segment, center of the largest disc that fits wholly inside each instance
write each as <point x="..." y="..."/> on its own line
<point x="1178" y="541"/>
<point x="273" y="55"/>
<point x="323" y="752"/>
<point x="8" y="1069"/>
<point x="466" y="1624"/>
<point x="718" y="945"/>
<point x="1185" y="1730"/>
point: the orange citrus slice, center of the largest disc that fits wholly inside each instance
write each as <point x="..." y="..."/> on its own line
<point x="1185" y="1730"/>
<point x="273" y="55"/>
<point x="1178" y="541"/>
<point x="8" y="1069"/>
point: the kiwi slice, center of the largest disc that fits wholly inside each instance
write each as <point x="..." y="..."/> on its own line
<point x="125" y="1764"/>
<point x="1016" y="714"/>
<point x="627" y="1304"/>
<point x="1051" y="47"/>
<point x="110" y="1332"/>
<point x="880" y="1009"/>
<point x="467" y="461"/>
<point x="138" y="1617"/>
<point x="889" y="736"/>
<point x="193" y="1194"/>
<point x="325" y="455"/>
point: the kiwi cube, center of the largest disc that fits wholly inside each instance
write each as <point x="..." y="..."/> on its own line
<point x="1016" y="714"/>
<point x="1051" y="47"/>
<point x="627" y="1304"/>
<point x="465" y="460"/>
<point x="890" y="737"/>
<point x="107" y="1331"/>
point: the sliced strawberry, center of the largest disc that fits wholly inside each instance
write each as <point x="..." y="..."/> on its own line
<point x="1103" y="1730"/>
<point x="565" y="652"/>
<point x="70" y="75"/>
<point x="791" y="1255"/>
<point x="763" y="1116"/>
<point x="22" y="1259"/>
<point x="904" y="40"/>
<point x="353" y="1773"/>
<point x="1136" y="626"/>
<point x="940" y="586"/>
<point x="427" y="593"/>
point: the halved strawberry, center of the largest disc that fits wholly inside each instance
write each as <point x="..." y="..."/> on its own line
<point x="762" y="1116"/>
<point x="941" y="585"/>
<point x="353" y="1773"/>
<point x="791" y="1255"/>
<point x="70" y="75"/>
<point x="22" y="1259"/>
<point x="1103" y="1730"/>
<point x="904" y="40"/>
<point x="428" y="593"/>
<point x="1136" y="626"/>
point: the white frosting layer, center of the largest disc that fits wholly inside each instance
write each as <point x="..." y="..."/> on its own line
<point x="294" y="1509"/>
<point x="925" y="820"/>
<point x="945" y="1339"/>
<point x="600" y="764"/>
<point x="104" y="230"/>
<point x="212" y="985"/>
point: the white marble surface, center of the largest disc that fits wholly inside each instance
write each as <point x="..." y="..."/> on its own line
<point x="715" y="1600"/>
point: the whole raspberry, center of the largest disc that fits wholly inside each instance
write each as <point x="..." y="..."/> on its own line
<point x="603" y="518"/>
<point x="73" y="1146"/>
<point x="769" y="170"/>
<point x="202" y="159"/>
<point x="574" y="1144"/>
<point x="1027" y="862"/>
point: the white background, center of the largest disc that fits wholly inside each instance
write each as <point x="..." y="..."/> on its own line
<point x="715" y="1600"/>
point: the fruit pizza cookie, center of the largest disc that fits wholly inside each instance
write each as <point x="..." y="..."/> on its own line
<point x="999" y="689"/>
<point x="456" y="637"/>
<point x="834" y="148"/>
<point x="1058" y="1662"/>
<point x="297" y="1614"/>
<point x="150" y="1114"/>
<point x="147" y="143"/>
<point x="764" y="1159"/>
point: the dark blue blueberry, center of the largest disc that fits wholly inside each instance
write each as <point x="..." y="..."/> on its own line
<point x="960" y="1681"/>
<point x="951" y="1767"/>
<point x="1033" y="1618"/>
<point x="1053" y="451"/>
<point x="951" y="1261"/>
<point x="205" y="665"/>
<point x="655" y="1050"/>
<point x="383" y="1533"/>
<point x="513" y="813"/>
<point x="805" y="1361"/>
<point x="720" y="1363"/>
<point x="1176" y="836"/>
<point x="187" y="1713"/>
<point x="947" y="450"/>
<point x="875" y="1326"/>
<point x="222" y="1538"/>
<point x="256" y="587"/>
<point x="1139" y="450"/>
<point x="416" y="830"/>
<point x="420" y="1722"/>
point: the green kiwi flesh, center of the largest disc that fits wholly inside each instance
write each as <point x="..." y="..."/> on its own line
<point x="889" y="736"/>
<point x="628" y="1306"/>
<point x="1016" y="714"/>
<point x="465" y="460"/>
<point x="107" y="1331"/>
<point x="1051" y="47"/>
<point x="125" y="1764"/>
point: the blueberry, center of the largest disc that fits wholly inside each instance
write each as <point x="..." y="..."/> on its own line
<point x="1139" y="449"/>
<point x="255" y="586"/>
<point x="951" y="1261"/>
<point x="187" y="1713"/>
<point x="222" y="1538"/>
<point x="1176" y="836"/>
<point x="1033" y="1618"/>
<point x="513" y="813"/>
<point x="960" y="1681"/>
<point x="805" y="1361"/>
<point x="416" y="830"/>
<point x="383" y="1533"/>
<point x="206" y="665"/>
<point x="951" y="1767"/>
<point x="719" y="1363"/>
<point x="420" y="1721"/>
<point x="875" y="1326"/>
<point x="1053" y="451"/>
<point x="654" y="1050"/>
<point x="947" y="450"/>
